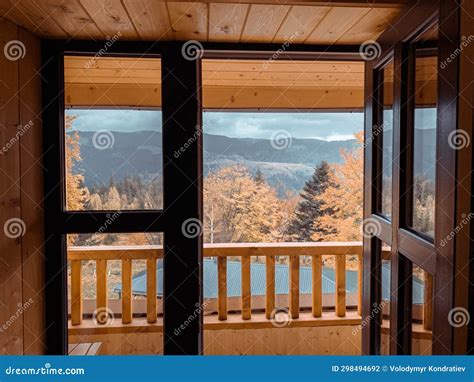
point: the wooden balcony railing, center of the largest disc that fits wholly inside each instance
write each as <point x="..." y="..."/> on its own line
<point x="270" y="251"/>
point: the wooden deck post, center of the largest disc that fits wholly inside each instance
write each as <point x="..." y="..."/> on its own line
<point x="222" y="287"/>
<point x="246" y="288"/>
<point x="76" y="292"/>
<point x="101" y="292"/>
<point x="151" y="290"/>
<point x="126" y="291"/>
<point x="340" y="285"/>
<point x="294" y="286"/>
<point x="317" y="306"/>
<point x="269" y="286"/>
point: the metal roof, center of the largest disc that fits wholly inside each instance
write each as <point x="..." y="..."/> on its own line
<point x="257" y="277"/>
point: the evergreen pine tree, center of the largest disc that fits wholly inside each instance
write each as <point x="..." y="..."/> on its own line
<point x="259" y="178"/>
<point x="309" y="209"/>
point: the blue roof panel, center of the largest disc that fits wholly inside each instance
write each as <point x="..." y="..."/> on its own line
<point x="257" y="277"/>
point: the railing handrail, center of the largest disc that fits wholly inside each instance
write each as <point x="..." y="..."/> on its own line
<point x="219" y="250"/>
<point x="292" y="250"/>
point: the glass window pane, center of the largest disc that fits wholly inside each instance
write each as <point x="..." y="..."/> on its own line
<point x="387" y="140"/>
<point x="422" y="312"/>
<point x="424" y="140"/>
<point x="385" y="303"/>
<point x="113" y="133"/>
<point x="107" y="288"/>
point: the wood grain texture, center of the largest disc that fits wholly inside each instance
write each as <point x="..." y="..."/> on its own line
<point x="127" y="291"/>
<point x="234" y="21"/>
<point x="21" y="255"/>
<point x="222" y="287"/>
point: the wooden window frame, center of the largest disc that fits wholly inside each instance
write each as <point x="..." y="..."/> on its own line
<point x="181" y="91"/>
<point x="409" y="247"/>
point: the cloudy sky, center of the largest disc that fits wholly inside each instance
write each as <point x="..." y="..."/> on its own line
<point x="327" y="126"/>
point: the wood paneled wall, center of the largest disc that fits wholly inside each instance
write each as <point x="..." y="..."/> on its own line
<point x="21" y="193"/>
<point x="324" y="340"/>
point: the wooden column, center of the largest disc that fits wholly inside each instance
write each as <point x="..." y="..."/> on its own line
<point x="182" y="179"/>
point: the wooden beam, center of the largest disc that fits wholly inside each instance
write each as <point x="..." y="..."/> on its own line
<point x="219" y="97"/>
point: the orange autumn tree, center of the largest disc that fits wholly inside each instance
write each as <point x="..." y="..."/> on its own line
<point x="76" y="194"/>
<point x="344" y="197"/>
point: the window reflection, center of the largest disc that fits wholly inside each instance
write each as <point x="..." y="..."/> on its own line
<point x="424" y="134"/>
<point x="387" y="140"/>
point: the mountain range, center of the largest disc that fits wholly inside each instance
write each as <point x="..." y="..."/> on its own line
<point x="140" y="153"/>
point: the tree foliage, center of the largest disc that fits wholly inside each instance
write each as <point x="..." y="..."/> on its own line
<point x="344" y="197"/>
<point x="311" y="208"/>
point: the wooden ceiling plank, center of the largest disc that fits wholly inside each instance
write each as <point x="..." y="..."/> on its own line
<point x="282" y="66"/>
<point x="370" y="26"/>
<point x="263" y="22"/>
<point x="226" y="21"/>
<point x="336" y="23"/>
<point x="112" y="18"/>
<point x="334" y="3"/>
<point x="299" y="23"/>
<point x="73" y="18"/>
<point x="30" y="15"/>
<point x="189" y="21"/>
<point x="76" y="62"/>
<point x="151" y="19"/>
